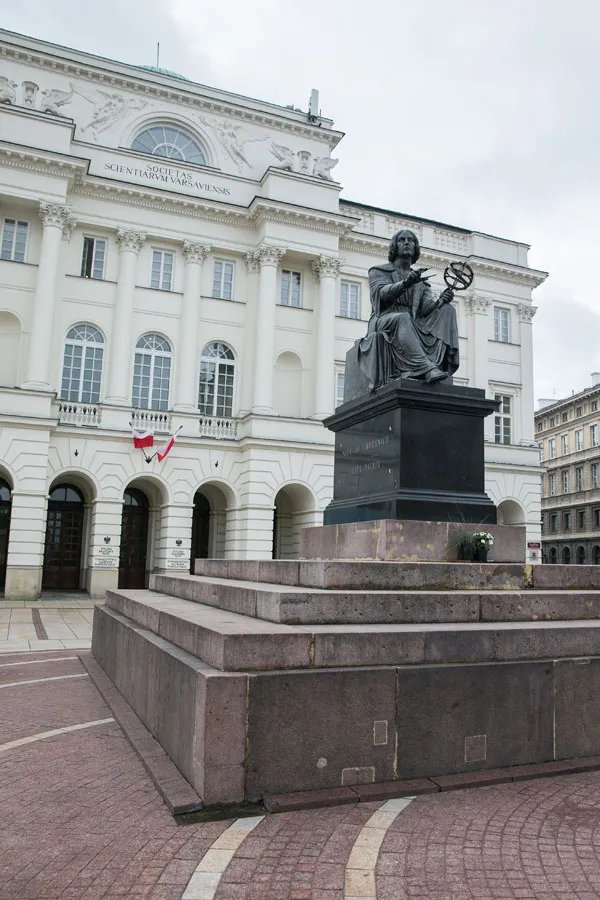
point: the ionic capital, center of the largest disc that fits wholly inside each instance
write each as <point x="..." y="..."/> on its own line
<point x="54" y="214"/>
<point x="195" y="253"/>
<point x="269" y="255"/>
<point x="526" y="313"/>
<point x="131" y="241"/>
<point x="326" y="267"/>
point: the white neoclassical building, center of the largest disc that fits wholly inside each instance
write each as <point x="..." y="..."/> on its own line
<point x="179" y="258"/>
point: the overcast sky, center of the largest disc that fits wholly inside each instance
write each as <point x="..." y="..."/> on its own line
<point x="479" y="113"/>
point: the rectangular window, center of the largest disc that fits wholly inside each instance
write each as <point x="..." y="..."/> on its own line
<point x="223" y="272"/>
<point x="501" y="325"/>
<point x="552" y="421"/>
<point x="579" y="412"/>
<point x="290" y="288"/>
<point x="540" y="426"/>
<point x="581" y="518"/>
<point x="92" y="260"/>
<point x="564" y="444"/>
<point x="565" y="481"/>
<point x="567" y="521"/>
<point x="14" y="240"/>
<point x="595" y="475"/>
<point x="597" y="518"/>
<point x="579" y="478"/>
<point x="594" y="435"/>
<point x="594" y="406"/>
<point x="579" y="440"/>
<point x="552" y="448"/>
<point x="502" y="419"/>
<point x="349" y="296"/>
<point x="553" y="522"/>
<point x="565" y="417"/>
<point x="340" y="378"/>
<point x="552" y="484"/>
<point x="161" y="278"/>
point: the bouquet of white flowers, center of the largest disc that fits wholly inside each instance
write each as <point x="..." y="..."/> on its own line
<point x="482" y="540"/>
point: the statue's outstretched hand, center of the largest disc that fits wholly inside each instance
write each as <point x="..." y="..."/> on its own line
<point x="446" y="296"/>
<point x="415" y="276"/>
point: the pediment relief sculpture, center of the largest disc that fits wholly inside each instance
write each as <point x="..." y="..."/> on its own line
<point x="303" y="162"/>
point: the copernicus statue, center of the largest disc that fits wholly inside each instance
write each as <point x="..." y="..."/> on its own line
<point x="410" y="335"/>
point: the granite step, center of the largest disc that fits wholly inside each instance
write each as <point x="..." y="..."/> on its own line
<point x="312" y="606"/>
<point x="375" y="576"/>
<point x="235" y="643"/>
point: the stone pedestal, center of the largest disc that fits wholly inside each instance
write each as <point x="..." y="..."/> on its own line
<point x="411" y="451"/>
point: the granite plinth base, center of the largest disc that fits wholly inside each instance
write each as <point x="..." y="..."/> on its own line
<point x="406" y="541"/>
<point x="411" y="451"/>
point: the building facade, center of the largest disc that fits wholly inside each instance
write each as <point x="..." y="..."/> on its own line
<point x="568" y="432"/>
<point x="178" y="258"/>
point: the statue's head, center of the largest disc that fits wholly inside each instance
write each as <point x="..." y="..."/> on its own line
<point x="403" y="237"/>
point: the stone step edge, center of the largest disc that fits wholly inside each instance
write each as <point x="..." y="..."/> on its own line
<point x="366" y="793"/>
<point x="177" y="793"/>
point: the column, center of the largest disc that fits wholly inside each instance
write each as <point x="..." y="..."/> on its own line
<point x="326" y="269"/>
<point x="186" y="361"/>
<point x="54" y="219"/>
<point x="526" y="314"/>
<point x="477" y="307"/>
<point x="268" y="257"/>
<point x="119" y="387"/>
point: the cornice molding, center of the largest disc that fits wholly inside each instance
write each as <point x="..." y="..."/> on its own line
<point x="44" y="161"/>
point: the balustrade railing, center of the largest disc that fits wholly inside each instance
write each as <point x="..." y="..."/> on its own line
<point x="149" y="419"/>
<point x="86" y="414"/>
<point x="218" y="427"/>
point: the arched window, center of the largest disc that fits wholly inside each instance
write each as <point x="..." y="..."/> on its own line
<point x="581" y="556"/>
<point x="82" y="364"/>
<point x="171" y="142"/>
<point x="217" y="375"/>
<point x="596" y="555"/>
<point x="151" y="372"/>
<point x="566" y="556"/>
<point x="553" y="556"/>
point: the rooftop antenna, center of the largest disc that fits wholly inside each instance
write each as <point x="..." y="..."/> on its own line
<point x="313" y="106"/>
<point x="157" y="54"/>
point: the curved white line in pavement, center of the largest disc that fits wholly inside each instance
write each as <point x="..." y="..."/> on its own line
<point x="48" y="734"/>
<point x="36" y="662"/>
<point x="40" y="680"/>
<point x="204" y="882"/>
<point x="360" y="868"/>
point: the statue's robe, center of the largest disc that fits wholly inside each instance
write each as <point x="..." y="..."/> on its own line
<point x="408" y="336"/>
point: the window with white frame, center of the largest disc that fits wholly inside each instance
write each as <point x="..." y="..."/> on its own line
<point x="501" y="325"/>
<point x="93" y="257"/>
<point x="594" y="435"/>
<point x="14" y="240"/>
<point x="552" y="448"/>
<point x="217" y="380"/>
<point x="291" y="288"/>
<point x="161" y="277"/>
<point x="565" y="481"/>
<point x="349" y="300"/>
<point x="82" y="364"/>
<point x="552" y="484"/>
<point x="340" y="380"/>
<point x="579" y="440"/>
<point x="223" y="272"/>
<point x="595" y="475"/>
<point x="503" y="419"/>
<point x="151" y="373"/>
<point x="564" y="444"/>
<point x="579" y="478"/>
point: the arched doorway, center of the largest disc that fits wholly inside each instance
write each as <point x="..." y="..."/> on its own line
<point x="64" y="539"/>
<point x="581" y="556"/>
<point x="566" y="556"/>
<point x="294" y="509"/>
<point x="552" y="556"/>
<point x="134" y="539"/>
<point x="200" y="529"/>
<point x="5" y="503"/>
<point x="596" y="555"/>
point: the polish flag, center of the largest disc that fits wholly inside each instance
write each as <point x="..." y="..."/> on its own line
<point x="142" y="438"/>
<point x="166" y="447"/>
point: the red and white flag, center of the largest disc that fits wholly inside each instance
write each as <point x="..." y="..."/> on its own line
<point x="142" y="439"/>
<point x="166" y="447"/>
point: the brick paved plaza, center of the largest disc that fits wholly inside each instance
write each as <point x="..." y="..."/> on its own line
<point x="82" y="819"/>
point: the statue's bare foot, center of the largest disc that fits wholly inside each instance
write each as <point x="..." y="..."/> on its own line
<point x="434" y="375"/>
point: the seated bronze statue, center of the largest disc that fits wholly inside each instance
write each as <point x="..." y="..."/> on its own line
<point x="410" y="335"/>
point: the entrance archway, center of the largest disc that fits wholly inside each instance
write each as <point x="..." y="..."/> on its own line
<point x="566" y="556"/>
<point x="552" y="556"/>
<point x="294" y="509"/>
<point x="200" y="529"/>
<point x="5" y="504"/>
<point x="64" y="539"/>
<point x="581" y="556"/>
<point x="134" y="539"/>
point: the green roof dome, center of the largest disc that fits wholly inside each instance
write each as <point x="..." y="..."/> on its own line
<point x="164" y="72"/>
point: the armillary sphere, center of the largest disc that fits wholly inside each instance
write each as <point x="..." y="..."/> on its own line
<point x="458" y="276"/>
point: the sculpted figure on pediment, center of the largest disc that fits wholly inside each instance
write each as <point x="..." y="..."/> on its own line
<point x="322" y="167"/>
<point x="230" y="137"/>
<point x="7" y="90"/>
<point x="285" y="156"/>
<point x="53" y="99"/>
<point x="109" y="107"/>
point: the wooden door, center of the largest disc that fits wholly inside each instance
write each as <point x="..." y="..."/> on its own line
<point x="64" y="539"/>
<point x="200" y="529"/>
<point x="134" y="540"/>
<point x="5" y="495"/>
